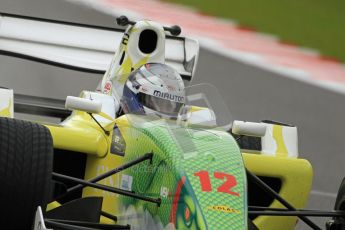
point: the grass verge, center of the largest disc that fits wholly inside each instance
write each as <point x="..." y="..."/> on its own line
<point x="318" y="24"/>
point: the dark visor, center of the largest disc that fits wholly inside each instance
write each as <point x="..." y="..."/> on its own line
<point x="160" y="105"/>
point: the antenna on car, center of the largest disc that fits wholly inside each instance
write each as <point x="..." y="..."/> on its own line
<point x="124" y="21"/>
<point x="93" y="118"/>
<point x="86" y="105"/>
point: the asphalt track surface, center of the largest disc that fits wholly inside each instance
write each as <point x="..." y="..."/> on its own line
<point x="252" y="94"/>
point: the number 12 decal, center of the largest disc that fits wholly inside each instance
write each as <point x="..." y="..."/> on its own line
<point x="229" y="183"/>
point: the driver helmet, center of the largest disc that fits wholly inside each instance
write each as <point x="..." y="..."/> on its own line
<point x="154" y="89"/>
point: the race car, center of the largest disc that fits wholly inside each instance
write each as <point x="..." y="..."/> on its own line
<point x="105" y="167"/>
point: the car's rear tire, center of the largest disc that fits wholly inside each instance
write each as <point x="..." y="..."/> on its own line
<point x="26" y="162"/>
<point x="340" y="201"/>
<point x="338" y="222"/>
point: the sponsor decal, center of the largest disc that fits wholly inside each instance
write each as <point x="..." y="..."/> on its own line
<point x="168" y="96"/>
<point x="164" y="192"/>
<point x="118" y="144"/>
<point x="125" y="39"/>
<point x="222" y="208"/>
<point x="112" y="181"/>
<point x="126" y="182"/>
<point x="107" y="87"/>
<point x="171" y="88"/>
<point x="227" y="186"/>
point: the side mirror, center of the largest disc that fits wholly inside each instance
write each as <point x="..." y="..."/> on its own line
<point x="83" y="104"/>
<point x="249" y="128"/>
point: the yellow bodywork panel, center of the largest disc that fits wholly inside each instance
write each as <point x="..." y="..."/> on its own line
<point x="6" y="103"/>
<point x="6" y="112"/>
<point x="53" y="205"/>
<point x="81" y="134"/>
<point x="296" y="176"/>
<point x="96" y="166"/>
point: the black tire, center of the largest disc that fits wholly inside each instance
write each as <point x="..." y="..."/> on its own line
<point x="338" y="223"/>
<point x="26" y="162"/>
<point x="340" y="201"/>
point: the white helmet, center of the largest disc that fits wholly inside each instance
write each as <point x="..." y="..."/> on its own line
<point x="154" y="88"/>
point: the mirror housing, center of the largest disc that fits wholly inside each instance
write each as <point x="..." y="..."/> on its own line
<point x="83" y="104"/>
<point x="249" y="128"/>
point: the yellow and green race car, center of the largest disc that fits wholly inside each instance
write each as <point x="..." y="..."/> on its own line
<point x="100" y="168"/>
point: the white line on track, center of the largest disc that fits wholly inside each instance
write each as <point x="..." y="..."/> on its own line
<point x="325" y="194"/>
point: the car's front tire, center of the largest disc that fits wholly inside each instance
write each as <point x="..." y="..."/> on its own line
<point x="26" y="162"/>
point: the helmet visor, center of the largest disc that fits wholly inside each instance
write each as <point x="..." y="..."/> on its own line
<point x="161" y="105"/>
